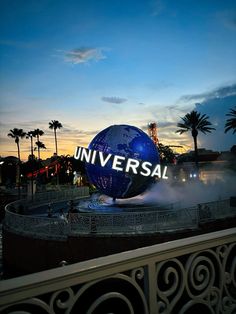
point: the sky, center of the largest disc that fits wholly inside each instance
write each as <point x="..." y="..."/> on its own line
<point x="90" y="64"/>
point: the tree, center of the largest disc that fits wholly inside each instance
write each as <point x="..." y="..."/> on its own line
<point x="195" y="122"/>
<point x="37" y="133"/>
<point x="54" y="125"/>
<point x="30" y="164"/>
<point x="66" y="173"/>
<point x="30" y="135"/>
<point x="40" y="145"/>
<point x="231" y="122"/>
<point x="166" y="153"/>
<point x="17" y="134"/>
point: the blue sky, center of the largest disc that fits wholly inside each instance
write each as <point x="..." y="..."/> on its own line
<point x="90" y="64"/>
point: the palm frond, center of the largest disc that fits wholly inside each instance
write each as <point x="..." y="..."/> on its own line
<point x="231" y="122"/>
<point x="195" y="121"/>
<point x="40" y="145"/>
<point x="55" y="124"/>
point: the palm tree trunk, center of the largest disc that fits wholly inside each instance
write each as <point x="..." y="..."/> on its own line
<point x="38" y="147"/>
<point x="55" y="134"/>
<point x="18" y="169"/>
<point x="32" y="170"/>
<point x="31" y="146"/>
<point x="18" y="150"/>
<point x="196" y="152"/>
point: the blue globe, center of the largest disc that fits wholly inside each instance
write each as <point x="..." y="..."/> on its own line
<point x="127" y="141"/>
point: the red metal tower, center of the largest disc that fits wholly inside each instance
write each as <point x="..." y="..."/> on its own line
<point x="152" y="131"/>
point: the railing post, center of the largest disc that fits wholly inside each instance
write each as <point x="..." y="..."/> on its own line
<point x="156" y="221"/>
<point x="112" y="223"/>
<point x="69" y="232"/>
<point x="151" y="295"/>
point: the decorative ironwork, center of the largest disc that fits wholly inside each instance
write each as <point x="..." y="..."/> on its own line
<point x="184" y="276"/>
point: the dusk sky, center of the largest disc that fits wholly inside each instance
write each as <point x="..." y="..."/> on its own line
<point x="94" y="63"/>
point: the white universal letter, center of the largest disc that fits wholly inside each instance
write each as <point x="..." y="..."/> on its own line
<point x="133" y="164"/>
<point x="117" y="162"/>
<point x="93" y="157"/>
<point x="147" y="171"/>
<point x="77" y="152"/>
<point x="157" y="171"/>
<point x="164" y="173"/>
<point x="103" y="161"/>
<point x="85" y="154"/>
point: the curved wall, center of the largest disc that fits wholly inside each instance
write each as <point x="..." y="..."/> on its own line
<point x="23" y="255"/>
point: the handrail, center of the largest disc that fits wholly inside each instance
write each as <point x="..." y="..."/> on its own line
<point x="205" y="276"/>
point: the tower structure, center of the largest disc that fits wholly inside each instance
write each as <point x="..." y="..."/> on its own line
<point x="152" y="131"/>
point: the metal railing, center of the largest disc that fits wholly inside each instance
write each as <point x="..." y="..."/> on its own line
<point x="140" y="222"/>
<point x="191" y="275"/>
<point x="55" y="196"/>
<point x="132" y="222"/>
<point x="216" y="210"/>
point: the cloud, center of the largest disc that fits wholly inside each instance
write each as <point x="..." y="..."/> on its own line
<point x="70" y="131"/>
<point x="84" y="55"/>
<point x="114" y="100"/>
<point x="166" y="124"/>
<point x="215" y="104"/>
<point x="161" y="124"/>
<point x="220" y="92"/>
<point x="216" y="109"/>
<point x="26" y="126"/>
<point x="68" y="138"/>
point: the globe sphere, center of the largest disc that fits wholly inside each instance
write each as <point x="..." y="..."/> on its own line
<point x="127" y="141"/>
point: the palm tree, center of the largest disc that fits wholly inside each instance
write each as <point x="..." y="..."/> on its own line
<point x="195" y="122"/>
<point x="40" y="145"/>
<point x="31" y="160"/>
<point x="231" y="122"/>
<point x="54" y="124"/>
<point x="38" y="133"/>
<point x="17" y="134"/>
<point x="30" y="135"/>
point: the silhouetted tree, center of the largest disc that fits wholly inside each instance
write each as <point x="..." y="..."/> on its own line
<point x="17" y="134"/>
<point x="30" y="135"/>
<point x="195" y="122"/>
<point x="231" y="122"/>
<point x="166" y="153"/>
<point x="54" y="125"/>
<point x="40" y="145"/>
<point x="37" y="133"/>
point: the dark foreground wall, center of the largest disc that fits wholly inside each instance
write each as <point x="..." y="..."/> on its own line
<point x="24" y="255"/>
